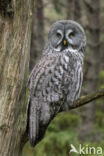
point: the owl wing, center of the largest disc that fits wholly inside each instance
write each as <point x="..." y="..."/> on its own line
<point x="46" y="79"/>
<point x="74" y="87"/>
<point x="32" y="120"/>
<point x="45" y="88"/>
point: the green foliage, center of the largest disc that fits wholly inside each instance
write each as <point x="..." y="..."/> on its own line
<point x="28" y="151"/>
<point x="59" y="135"/>
<point x="89" y="145"/>
<point x="57" y="5"/>
<point x="100" y="119"/>
<point x="62" y="132"/>
<point x="65" y="121"/>
<point x="101" y="79"/>
<point x="56" y="143"/>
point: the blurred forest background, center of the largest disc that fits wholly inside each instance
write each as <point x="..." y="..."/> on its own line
<point x="84" y="125"/>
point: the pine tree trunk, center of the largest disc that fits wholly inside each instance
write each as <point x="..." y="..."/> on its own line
<point x="15" y="32"/>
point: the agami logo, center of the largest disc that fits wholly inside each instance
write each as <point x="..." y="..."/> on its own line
<point x="86" y="150"/>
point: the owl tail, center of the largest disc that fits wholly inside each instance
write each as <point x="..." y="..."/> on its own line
<point x="32" y="121"/>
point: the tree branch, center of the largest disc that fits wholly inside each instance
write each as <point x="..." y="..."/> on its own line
<point x="87" y="98"/>
<point x="78" y="103"/>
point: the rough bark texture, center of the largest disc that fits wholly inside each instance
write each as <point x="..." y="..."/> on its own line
<point x="15" y="31"/>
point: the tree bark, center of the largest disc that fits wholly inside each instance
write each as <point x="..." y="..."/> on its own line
<point x="88" y="98"/>
<point x="15" y="32"/>
<point x="77" y="10"/>
<point x="37" y="37"/>
<point x="101" y="75"/>
<point x="70" y="10"/>
<point x="93" y="31"/>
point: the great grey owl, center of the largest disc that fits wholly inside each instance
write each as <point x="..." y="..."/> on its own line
<point x="56" y="80"/>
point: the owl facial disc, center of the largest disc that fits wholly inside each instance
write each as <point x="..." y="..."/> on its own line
<point x="66" y="35"/>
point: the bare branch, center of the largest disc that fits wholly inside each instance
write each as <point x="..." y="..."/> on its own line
<point x="87" y="98"/>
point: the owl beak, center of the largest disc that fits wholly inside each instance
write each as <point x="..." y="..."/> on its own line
<point x="65" y="42"/>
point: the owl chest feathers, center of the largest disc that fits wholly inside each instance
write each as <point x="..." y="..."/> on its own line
<point x="57" y="77"/>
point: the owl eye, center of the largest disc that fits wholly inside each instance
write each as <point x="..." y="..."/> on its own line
<point x="71" y="35"/>
<point x="58" y="34"/>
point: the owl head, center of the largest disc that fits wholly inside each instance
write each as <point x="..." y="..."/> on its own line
<point x="66" y="35"/>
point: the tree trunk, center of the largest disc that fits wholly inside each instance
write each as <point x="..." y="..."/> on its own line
<point x="77" y="10"/>
<point x="15" y="33"/>
<point x="70" y="10"/>
<point x="101" y="75"/>
<point x="33" y="47"/>
<point x="101" y="37"/>
<point x="88" y="114"/>
<point x="73" y="10"/>
<point x="37" y="37"/>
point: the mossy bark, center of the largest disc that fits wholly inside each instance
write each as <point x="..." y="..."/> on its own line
<point x="15" y="33"/>
<point x="88" y="98"/>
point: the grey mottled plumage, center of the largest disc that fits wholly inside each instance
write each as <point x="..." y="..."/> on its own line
<point x="55" y="82"/>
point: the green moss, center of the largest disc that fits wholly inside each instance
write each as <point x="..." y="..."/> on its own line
<point x="59" y="135"/>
